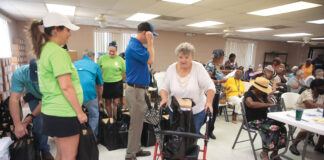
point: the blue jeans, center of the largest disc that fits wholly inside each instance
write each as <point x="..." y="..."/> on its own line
<point x="42" y="139"/>
<point x="93" y="110"/>
<point x="199" y="119"/>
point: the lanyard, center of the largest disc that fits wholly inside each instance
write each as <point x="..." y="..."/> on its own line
<point x="237" y="85"/>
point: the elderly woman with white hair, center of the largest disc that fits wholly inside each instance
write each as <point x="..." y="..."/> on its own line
<point x="296" y="83"/>
<point x="188" y="79"/>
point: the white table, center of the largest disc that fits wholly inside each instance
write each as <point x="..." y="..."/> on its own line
<point x="306" y="123"/>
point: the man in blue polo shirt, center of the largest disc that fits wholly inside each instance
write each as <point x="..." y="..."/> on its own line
<point x="91" y="81"/>
<point x="137" y="59"/>
<point x="25" y="78"/>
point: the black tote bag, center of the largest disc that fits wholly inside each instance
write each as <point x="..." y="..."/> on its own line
<point x="25" y="148"/>
<point x="88" y="149"/>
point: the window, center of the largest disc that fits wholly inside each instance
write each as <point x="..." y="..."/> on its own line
<point x="126" y="38"/>
<point x="5" y="47"/>
<point x="103" y="38"/>
<point x="244" y="51"/>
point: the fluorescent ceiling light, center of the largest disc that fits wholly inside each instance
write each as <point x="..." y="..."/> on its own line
<point x="320" y="38"/>
<point x="142" y="17"/>
<point x="294" y="42"/>
<point x="320" y="21"/>
<point x="182" y="1"/>
<point x="205" y="24"/>
<point x="62" y="9"/>
<point x="211" y="33"/>
<point x="254" y="29"/>
<point x="293" y="35"/>
<point x="285" y="8"/>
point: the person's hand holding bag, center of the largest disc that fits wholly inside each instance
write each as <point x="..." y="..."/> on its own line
<point x="82" y="117"/>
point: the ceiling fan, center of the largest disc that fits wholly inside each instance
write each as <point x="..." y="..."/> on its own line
<point x="102" y="21"/>
<point x="307" y="40"/>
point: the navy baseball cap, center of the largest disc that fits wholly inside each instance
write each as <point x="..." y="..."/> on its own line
<point x="33" y="70"/>
<point x="146" y="26"/>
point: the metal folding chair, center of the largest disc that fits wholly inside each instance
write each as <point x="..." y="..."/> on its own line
<point x="251" y="132"/>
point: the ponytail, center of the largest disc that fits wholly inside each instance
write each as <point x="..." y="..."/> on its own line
<point x="37" y="37"/>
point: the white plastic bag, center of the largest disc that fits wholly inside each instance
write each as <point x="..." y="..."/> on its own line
<point x="5" y="142"/>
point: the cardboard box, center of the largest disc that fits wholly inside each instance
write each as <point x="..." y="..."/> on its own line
<point x="73" y="54"/>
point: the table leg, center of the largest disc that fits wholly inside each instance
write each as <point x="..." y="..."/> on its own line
<point x="282" y="154"/>
<point x="305" y="146"/>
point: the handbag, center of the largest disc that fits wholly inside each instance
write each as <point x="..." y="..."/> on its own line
<point x="176" y="147"/>
<point x="152" y="114"/>
<point x="25" y="148"/>
<point x="88" y="149"/>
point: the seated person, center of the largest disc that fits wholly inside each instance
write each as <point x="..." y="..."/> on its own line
<point x="234" y="89"/>
<point x="310" y="98"/>
<point x="256" y="102"/>
<point x="293" y="70"/>
<point x="249" y="74"/>
<point x="270" y="74"/>
<point x="281" y="80"/>
<point x="296" y="83"/>
<point x="319" y="74"/>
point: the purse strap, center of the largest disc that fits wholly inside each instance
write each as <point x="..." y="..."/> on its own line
<point x="147" y="100"/>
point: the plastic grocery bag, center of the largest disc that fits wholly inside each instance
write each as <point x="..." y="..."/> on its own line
<point x="5" y="142"/>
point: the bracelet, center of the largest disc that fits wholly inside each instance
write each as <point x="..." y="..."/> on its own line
<point x="29" y="114"/>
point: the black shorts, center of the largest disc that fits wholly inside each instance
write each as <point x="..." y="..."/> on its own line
<point x="60" y="126"/>
<point x="113" y="90"/>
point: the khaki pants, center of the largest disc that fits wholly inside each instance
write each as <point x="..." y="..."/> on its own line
<point x="236" y="102"/>
<point x="136" y="104"/>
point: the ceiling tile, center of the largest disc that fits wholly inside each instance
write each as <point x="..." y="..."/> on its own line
<point x="189" y="11"/>
<point x="98" y="4"/>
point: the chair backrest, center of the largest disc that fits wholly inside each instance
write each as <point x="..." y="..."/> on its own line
<point x="159" y="77"/>
<point x="288" y="100"/>
<point x="309" y="80"/>
<point x="247" y="86"/>
<point x="245" y="122"/>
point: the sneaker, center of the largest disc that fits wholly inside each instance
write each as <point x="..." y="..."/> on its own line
<point x="143" y="153"/>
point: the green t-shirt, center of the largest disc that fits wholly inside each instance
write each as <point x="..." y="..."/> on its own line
<point x="112" y="68"/>
<point x="55" y="61"/>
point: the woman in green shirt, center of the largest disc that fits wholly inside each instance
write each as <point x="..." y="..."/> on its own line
<point x="113" y="67"/>
<point x="59" y="84"/>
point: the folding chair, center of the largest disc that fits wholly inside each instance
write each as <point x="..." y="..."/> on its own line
<point x="251" y="132"/>
<point x="288" y="102"/>
<point x="247" y="86"/>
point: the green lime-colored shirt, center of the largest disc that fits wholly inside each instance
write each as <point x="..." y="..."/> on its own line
<point x="55" y="61"/>
<point x="112" y="68"/>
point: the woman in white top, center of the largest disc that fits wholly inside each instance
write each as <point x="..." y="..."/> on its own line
<point x="188" y="79"/>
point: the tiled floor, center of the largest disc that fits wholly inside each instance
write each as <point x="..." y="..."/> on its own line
<point x="219" y="149"/>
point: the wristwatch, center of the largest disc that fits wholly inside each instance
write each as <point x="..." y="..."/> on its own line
<point x="29" y="114"/>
